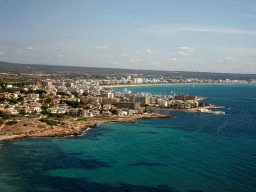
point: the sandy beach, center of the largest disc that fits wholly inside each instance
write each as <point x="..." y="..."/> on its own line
<point x="140" y="85"/>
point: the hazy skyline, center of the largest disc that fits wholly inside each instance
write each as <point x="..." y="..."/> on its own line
<point x="211" y="36"/>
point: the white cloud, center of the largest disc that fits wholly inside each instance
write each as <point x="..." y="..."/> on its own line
<point x="230" y="58"/>
<point x="102" y="47"/>
<point x="174" y="59"/>
<point x="18" y="51"/>
<point x="149" y="51"/>
<point x="30" y="48"/>
<point x="184" y="48"/>
<point x="61" y="55"/>
<point x="198" y="29"/>
<point x="183" y="54"/>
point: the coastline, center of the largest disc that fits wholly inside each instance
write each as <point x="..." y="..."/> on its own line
<point x="211" y="106"/>
<point x="141" y="85"/>
<point x="65" y="127"/>
<point x="137" y="85"/>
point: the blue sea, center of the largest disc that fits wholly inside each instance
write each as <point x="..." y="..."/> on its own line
<point x="192" y="152"/>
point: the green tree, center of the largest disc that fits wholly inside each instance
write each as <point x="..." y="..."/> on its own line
<point x="114" y="111"/>
<point x="75" y="94"/>
<point x="12" y="122"/>
<point x="62" y="93"/>
<point x="48" y="100"/>
<point x="10" y="90"/>
<point x="85" y="94"/>
<point x="13" y="101"/>
<point x="7" y="106"/>
<point x="2" y="99"/>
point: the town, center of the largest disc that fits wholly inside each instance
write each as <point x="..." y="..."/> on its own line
<point x="85" y="98"/>
<point x="41" y="107"/>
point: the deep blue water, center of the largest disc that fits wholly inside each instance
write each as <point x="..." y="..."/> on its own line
<point x="193" y="152"/>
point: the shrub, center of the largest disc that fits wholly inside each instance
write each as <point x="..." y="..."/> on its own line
<point x="5" y="116"/>
<point x="12" y="122"/>
<point x="10" y="90"/>
<point x="48" y="121"/>
<point x="1" y="122"/>
<point x="56" y="115"/>
<point x="25" y="124"/>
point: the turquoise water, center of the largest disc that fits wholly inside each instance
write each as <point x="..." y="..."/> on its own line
<point x="193" y="152"/>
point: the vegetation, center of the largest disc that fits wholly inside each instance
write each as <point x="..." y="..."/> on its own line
<point x="12" y="122"/>
<point x="100" y="73"/>
<point x="44" y="112"/>
<point x="2" y="99"/>
<point x="13" y="101"/>
<point x="56" y="115"/>
<point x="144" y="105"/>
<point x="48" y="100"/>
<point x="1" y="122"/>
<point x="44" y="107"/>
<point x="75" y="93"/>
<point x="73" y="104"/>
<point x="114" y="111"/>
<point x="48" y="121"/>
<point x="62" y="93"/>
<point x="20" y="99"/>
<point x="22" y="84"/>
<point x="31" y="91"/>
<point x="7" y="106"/>
<point x="10" y="90"/>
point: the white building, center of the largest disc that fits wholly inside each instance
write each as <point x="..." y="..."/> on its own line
<point x="33" y="96"/>
<point x="138" y="80"/>
<point x="126" y="93"/>
<point x="163" y="103"/>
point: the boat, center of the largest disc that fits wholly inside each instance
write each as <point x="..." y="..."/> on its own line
<point x="207" y="111"/>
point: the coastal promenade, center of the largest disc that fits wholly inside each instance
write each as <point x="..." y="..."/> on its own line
<point x="32" y="127"/>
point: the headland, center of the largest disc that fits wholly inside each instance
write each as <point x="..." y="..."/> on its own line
<point x="33" y="127"/>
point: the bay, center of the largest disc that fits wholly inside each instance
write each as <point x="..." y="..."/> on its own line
<point x="192" y="152"/>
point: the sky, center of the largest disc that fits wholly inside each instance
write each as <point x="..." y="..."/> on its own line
<point x="170" y="35"/>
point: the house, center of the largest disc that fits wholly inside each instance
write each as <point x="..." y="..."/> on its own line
<point x="95" y="112"/>
<point x="26" y="110"/>
<point x="132" y="112"/>
<point x="107" y="106"/>
<point x="52" y="110"/>
<point x="86" y="113"/>
<point x="73" y="111"/>
<point x="62" y="110"/>
<point x="11" y="111"/>
<point x="33" y="96"/>
<point x="106" y="113"/>
<point x="56" y="99"/>
<point x="122" y="113"/>
<point x="35" y="107"/>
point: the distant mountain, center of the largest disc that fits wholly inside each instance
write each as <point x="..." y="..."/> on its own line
<point x="77" y="71"/>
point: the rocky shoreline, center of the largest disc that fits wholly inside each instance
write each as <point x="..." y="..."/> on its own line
<point x="32" y="127"/>
<point x="211" y="106"/>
